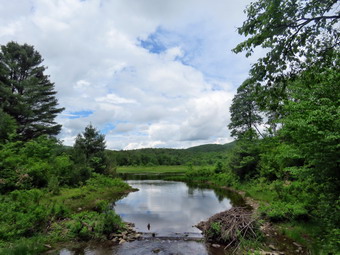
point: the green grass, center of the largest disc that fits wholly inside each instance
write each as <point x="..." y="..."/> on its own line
<point x="258" y="192"/>
<point x="152" y="169"/>
<point x="302" y="232"/>
<point x="86" y="197"/>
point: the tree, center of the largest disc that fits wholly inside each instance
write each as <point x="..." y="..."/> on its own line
<point x="297" y="32"/>
<point x="7" y="127"/>
<point x="297" y="85"/>
<point x="244" y="157"/>
<point x="244" y="112"/>
<point x="33" y="164"/>
<point x="312" y="122"/>
<point x="26" y="93"/>
<point x="91" y="146"/>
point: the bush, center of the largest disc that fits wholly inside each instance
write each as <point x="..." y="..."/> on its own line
<point x="283" y="211"/>
<point x="24" y="246"/>
<point x="94" y="225"/>
<point x="218" y="167"/>
<point x="21" y="214"/>
<point x="214" y="231"/>
<point x="225" y="179"/>
<point x="99" y="180"/>
<point x="202" y="172"/>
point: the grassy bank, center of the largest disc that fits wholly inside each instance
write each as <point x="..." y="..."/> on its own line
<point x="32" y="221"/>
<point x="276" y="205"/>
<point x="152" y="169"/>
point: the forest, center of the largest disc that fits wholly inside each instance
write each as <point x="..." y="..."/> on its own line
<point x="202" y="155"/>
<point x="285" y="118"/>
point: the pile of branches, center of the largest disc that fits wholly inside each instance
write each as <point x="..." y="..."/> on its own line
<point x="230" y="227"/>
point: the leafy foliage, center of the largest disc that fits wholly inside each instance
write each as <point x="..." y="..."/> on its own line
<point x="313" y="123"/>
<point x="32" y="164"/>
<point x="296" y="86"/>
<point x="297" y="33"/>
<point x="94" y="225"/>
<point x="31" y="215"/>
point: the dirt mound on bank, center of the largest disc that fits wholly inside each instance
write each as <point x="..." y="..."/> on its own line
<point x="229" y="227"/>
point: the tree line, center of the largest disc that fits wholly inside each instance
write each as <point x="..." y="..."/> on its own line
<point x="199" y="156"/>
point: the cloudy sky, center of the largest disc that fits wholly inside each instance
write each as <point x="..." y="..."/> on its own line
<point x="146" y="73"/>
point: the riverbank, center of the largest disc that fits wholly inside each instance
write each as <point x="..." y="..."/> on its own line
<point x="180" y="169"/>
<point x="295" y="236"/>
<point x="292" y="236"/>
<point x="285" y="221"/>
<point x="165" y="212"/>
<point x="34" y="221"/>
<point x="286" y="236"/>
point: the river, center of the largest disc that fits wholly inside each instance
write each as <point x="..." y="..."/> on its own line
<point x="165" y="212"/>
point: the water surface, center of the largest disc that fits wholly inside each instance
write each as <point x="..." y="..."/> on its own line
<point x="169" y="208"/>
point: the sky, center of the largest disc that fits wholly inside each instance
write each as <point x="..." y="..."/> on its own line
<point x="146" y="73"/>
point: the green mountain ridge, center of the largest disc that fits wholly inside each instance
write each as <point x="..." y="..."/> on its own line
<point x="205" y="154"/>
<point x="212" y="147"/>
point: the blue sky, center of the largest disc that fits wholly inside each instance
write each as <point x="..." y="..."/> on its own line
<point x="146" y="73"/>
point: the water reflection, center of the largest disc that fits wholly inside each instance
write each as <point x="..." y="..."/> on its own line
<point x="169" y="208"/>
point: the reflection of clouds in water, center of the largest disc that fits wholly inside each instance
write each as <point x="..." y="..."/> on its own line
<point x="168" y="206"/>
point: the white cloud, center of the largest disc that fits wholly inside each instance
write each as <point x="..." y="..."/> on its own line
<point x="174" y="95"/>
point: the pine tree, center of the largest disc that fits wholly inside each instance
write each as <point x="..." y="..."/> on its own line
<point x="7" y="127"/>
<point x="90" y="148"/>
<point x="26" y="93"/>
<point x="245" y="114"/>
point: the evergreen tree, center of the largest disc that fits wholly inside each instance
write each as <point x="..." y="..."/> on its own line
<point x="26" y="93"/>
<point x="90" y="148"/>
<point x="7" y="127"/>
<point x="244" y="112"/>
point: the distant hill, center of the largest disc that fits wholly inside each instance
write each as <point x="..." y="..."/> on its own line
<point x="207" y="154"/>
<point x="212" y="147"/>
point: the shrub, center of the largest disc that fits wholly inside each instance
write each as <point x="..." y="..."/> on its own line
<point x="225" y="179"/>
<point x="24" y="246"/>
<point x="284" y="211"/>
<point x="94" y="225"/>
<point x="21" y="214"/>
